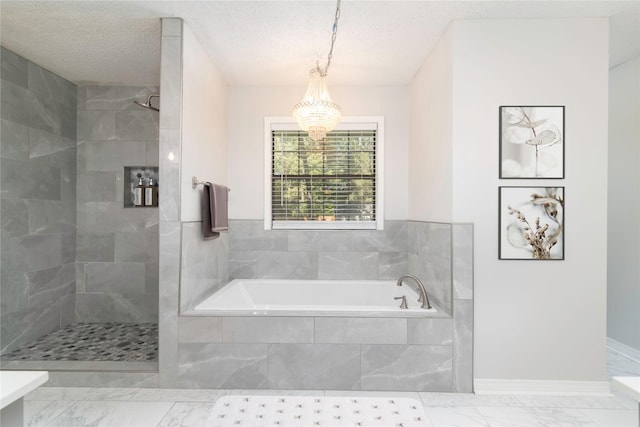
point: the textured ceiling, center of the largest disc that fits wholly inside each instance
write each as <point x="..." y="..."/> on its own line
<point x="270" y="42"/>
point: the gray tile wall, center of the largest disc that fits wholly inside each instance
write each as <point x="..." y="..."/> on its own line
<point x="117" y="247"/>
<point x="38" y="190"/>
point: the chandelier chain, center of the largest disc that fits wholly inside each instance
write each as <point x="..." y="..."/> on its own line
<point x="333" y="38"/>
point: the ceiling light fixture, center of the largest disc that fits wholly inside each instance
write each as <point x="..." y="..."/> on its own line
<point x="316" y="113"/>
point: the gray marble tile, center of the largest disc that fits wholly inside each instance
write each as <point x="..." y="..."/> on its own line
<point x="315" y="241"/>
<point x="286" y="265"/>
<point x="344" y="330"/>
<point x="16" y="103"/>
<point x="249" y="235"/>
<point x="95" y="247"/>
<point x="104" y="217"/>
<point x="349" y="265"/>
<point x="68" y="121"/>
<point x="14" y="217"/>
<point x="51" y="284"/>
<point x="114" y="155"/>
<point x="26" y="325"/>
<point x="43" y="143"/>
<point x="125" y="278"/>
<point x="14" y="290"/>
<point x="169" y="176"/>
<point x="392" y="265"/>
<point x="94" y="307"/>
<point x="463" y="346"/>
<point x="96" y="125"/>
<point x="411" y="367"/>
<point x="184" y="414"/>
<point x="152" y="278"/>
<point x="171" y="27"/>
<point x="314" y="366"/>
<point x="39" y="413"/>
<point x="137" y="125"/>
<point x="13" y="68"/>
<point x="141" y="308"/>
<point x="462" y="261"/>
<point x="169" y="276"/>
<point x="51" y="217"/>
<point x="67" y="310"/>
<point x="68" y="252"/>
<point x="267" y="330"/>
<point x="430" y="331"/>
<point x="199" y="329"/>
<point x="222" y="365"/>
<point x="453" y="416"/>
<point x="467" y="399"/>
<point x="170" y="82"/>
<point x="29" y="180"/>
<point x="96" y="186"/>
<point x="50" y="86"/>
<point x="180" y="395"/>
<point x="131" y="246"/>
<point x="41" y="252"/>
<point x="537" y="417"/>
<point x="392" y="239"/>
<point x="152" y="152"/>
<point x="15" y="140"/>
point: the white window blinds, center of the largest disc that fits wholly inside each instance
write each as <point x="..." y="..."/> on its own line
<point x="331" y="180"/>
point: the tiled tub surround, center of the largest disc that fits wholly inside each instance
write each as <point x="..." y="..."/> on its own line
<point x="38" y="186"/>
<point x="414" y="354"/>
<point x="117" y="247"/>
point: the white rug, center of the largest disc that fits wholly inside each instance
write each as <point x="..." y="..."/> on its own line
<point x="307" y="411"/>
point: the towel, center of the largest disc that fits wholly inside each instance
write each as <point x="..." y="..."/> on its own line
<point x="215" y="216"/>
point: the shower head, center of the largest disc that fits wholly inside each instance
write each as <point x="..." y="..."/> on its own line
<point x="148" y="103"/>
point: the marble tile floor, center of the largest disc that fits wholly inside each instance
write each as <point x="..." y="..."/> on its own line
<point x="115" y="342"/>
<point x="138" y="407"/>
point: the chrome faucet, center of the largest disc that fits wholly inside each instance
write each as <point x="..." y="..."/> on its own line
<point x="424" y="299"/>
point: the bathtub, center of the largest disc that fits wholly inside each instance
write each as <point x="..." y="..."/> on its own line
<point x="342" y="298"/>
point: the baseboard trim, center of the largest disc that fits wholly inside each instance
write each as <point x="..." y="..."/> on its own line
<point x="623" y="349"/>
<point x="558" y="388"/>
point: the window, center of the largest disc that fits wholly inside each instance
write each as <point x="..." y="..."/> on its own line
<point x="334" y="183"/>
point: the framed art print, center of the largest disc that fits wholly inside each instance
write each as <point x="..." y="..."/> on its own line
<point x="531" y="223"/>
<point x="532" y="142"/>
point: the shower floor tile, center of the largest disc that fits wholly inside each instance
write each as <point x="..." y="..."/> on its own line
<point x="94" y="341"/>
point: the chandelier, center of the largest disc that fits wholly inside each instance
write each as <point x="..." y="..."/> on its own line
<point x="316" y="113"/>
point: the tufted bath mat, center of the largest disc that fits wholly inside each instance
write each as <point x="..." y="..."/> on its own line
<point x="307" y="411"/>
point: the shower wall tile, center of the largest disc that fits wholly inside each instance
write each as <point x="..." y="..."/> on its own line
<point x="268" y="330"/>
<point x="410" y="368"/>
<point x="99" y="186"/>
<point x="13" y="68"/>
<point x="346" y="330"/>
<point x="222" y="366"/>
<point x="140" y="308"/>
<point x="38" y="190"/>
<point x="169" y="266"/>
<point x="169" y="202"/>
<point x="15" y="140"/>
<point x="131" y="247"/>
<point x="124" y="278"/>
<point x="104" y="217"/>
<point x="430" y="331"/>
<point x="14" y="217"/>
<point x="95" y="307"/>
<point x="67" y="310"/>
<point x="114" y="155"/>
<point x="113" y="98"/>
<point x="170" y="81"/>
<point x="96" y="125"/>
<point x="137" y="125"/>
<point x="29" y="180"/>
<point x="95" y="247"/>
<point x="171" y="27"/>
<point x="314" y="366"/>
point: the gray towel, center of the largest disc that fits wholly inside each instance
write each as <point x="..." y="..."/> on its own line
<point x="215" y="216"/>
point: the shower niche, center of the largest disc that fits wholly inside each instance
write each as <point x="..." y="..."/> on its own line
<point x="141" y="186"/>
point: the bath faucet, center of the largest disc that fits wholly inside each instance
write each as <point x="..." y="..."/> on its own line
<point x="424" y="299"/>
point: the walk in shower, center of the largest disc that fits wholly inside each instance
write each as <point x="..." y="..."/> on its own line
<point x="79" y="268"/>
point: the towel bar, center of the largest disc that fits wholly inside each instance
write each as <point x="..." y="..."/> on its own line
<point x="195" y="182"/>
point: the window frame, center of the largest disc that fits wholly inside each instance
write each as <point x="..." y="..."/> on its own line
<point x="272" y="123"/>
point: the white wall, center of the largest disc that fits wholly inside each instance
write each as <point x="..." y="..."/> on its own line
<point x="430" y="146"/>
<point x="248" y="105"/>
<point x="535" y="320"/>
<point x="623" y="273"/>
<point x="204" y="125"/>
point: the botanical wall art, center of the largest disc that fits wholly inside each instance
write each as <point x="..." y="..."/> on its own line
<point x="532" y="142"/>
<point x="531" y="223"/>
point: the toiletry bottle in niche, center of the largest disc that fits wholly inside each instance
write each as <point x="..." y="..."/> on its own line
<point x="138" y="192"/>
<point x="151" y="194"/>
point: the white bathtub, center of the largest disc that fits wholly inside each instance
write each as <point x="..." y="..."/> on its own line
<point x="343" y="298"/>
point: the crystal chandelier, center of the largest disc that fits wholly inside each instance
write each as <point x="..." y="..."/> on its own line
<point x="316" y="113"/>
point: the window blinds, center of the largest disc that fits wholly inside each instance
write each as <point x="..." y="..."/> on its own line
<point x="333" y="179"/>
